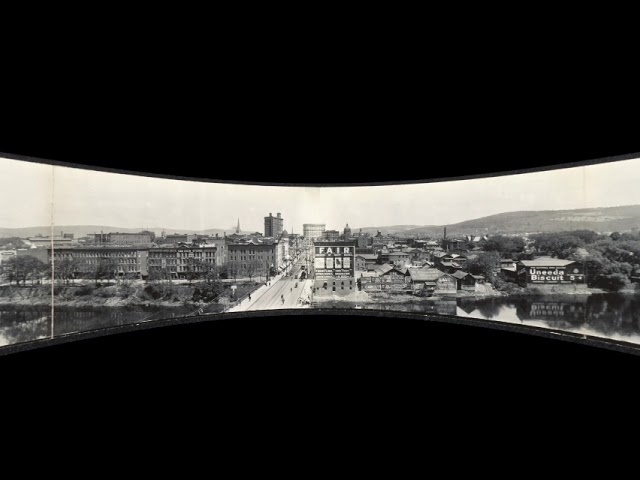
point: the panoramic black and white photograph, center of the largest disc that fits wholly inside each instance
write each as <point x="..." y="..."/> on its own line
<point x="557" y="250"/>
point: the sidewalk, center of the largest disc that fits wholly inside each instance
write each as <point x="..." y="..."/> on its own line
<point x="246" y="303"/>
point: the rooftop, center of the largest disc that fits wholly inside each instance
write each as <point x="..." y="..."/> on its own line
<point x="394" y="269"/>
<point x="546" y="262"/>
<point x="459" y="274"/>
<point x="425" y="274"/>
<point x="382" y="269"/>
<point x="368" y="256"/>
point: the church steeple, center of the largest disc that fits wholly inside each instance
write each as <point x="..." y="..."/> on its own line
<point x="238" y="227"/>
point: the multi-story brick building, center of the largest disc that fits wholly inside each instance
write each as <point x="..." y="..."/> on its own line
<point x="273" y="226"/>
<point x="120" y="238"/>
<point x="181" y="260"/>
<point x="330" y="236"/>
<point x="178" y="238"/>
<point x="255" y="257"/>
<point x="139" y="261"/>
<point x="311" y="232"/>
<point x="334" y="266"/>
<point x="127" y="260"/>
<point x="221" y="248"/>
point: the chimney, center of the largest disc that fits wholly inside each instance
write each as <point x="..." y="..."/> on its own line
<point x="278" y="215"/>
<point x="445" y="232"/>
<point x="270" y="214"/>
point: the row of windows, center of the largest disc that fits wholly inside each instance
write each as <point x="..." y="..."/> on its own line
<point x="94" y="255"/>
<point x="95" y="261"/>
<point x="157" y="261"/>
<point x="244" y="258"/>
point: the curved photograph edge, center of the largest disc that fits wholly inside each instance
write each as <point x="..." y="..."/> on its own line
<point x="578" y="281"/>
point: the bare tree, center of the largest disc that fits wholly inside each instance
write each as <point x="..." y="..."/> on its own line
<point x="66" y="269"/>
<point x="105" y="269"/>
<point x="22" y="268"/>
<point x="233" y="269"/>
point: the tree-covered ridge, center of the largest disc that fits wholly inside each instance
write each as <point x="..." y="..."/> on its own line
<point x="610" y="261"/>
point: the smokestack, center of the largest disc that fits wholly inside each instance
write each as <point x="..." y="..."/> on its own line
<point x="445" y="232"/>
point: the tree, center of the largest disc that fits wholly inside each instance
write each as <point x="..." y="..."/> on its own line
<point x="222" y="271"/>
<point x="196" y="269"/>
<point x="126" y="280"/>
<point x="208" y="271"/>
<point x="587" y="236"/>
<point x="155" y="275"/>
<point x="504" y="244"/>
<point x="615" y="236"/>
<point x="251" y="269"/>
<point x="66" y="269"/>
<point x="208" y="291"/>
<point x="233" y="269"/>
<point x="11" y="242"/>
<point x="613" y="282"/>
<point x="105" y="269"/>
<point x="484" y="264"/>
<point x="7" y="271"/>
<point x="561" y="244"/>
<point x="21" y="268"/>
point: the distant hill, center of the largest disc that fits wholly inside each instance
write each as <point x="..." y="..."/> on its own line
<point x="83" y="230"/>
<point x="393" y="229"/>
<point x="608" y="219"/>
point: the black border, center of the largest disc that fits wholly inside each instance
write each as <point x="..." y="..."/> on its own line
<point x="549" y="333"/>
<point x="340" y="355"/>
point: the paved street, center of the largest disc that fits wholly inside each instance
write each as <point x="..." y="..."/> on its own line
<point x="271" y="297"/>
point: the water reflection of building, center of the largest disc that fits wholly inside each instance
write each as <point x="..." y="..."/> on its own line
<point x="574" y="311"/>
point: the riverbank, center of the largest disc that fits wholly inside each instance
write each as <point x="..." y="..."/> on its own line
<point x="362" y="299"/>
<point x="150" y="294"/>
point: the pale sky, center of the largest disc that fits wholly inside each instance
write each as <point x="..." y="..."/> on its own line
<point x="84" y="197"/>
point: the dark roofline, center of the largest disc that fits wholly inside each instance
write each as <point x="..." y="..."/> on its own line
<point x="338" y="243"/>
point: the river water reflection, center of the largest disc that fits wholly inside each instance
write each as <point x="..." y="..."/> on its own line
<point x="610" y="316"/>
<point x="23" y="324"/>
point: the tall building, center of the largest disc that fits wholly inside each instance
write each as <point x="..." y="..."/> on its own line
<point x="273" y="226"/>
<point x="334" y="267"/>
<point x="312" y="231"/>
<point x="330" y="235"/>
<point x="347" y="231"/>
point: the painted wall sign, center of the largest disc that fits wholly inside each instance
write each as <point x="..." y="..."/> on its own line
<point x="334" y="261"/>
<point x="570" y="274"/>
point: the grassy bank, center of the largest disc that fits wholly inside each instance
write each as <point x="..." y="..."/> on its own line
<point x="141" y="294"/>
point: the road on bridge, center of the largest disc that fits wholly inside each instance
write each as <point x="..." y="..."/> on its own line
<point x="282" y="293"/>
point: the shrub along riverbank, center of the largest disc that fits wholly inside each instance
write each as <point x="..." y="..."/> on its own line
<point x="160" y="294"/>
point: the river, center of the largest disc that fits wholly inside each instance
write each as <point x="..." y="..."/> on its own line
<point x="610" y="316"/>
<point x="23" y="324"/>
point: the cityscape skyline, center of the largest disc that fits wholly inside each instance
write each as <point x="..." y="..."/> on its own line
<point x="70" y="196"/>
